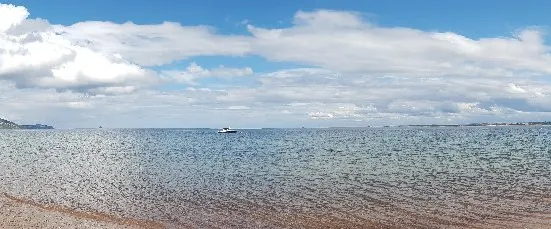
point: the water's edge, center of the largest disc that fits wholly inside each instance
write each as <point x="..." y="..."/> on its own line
<point x="95" y="216"/>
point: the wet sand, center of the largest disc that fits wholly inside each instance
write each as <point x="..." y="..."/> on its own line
<point x="21" y="213"/>
<point x="16" y="212"/>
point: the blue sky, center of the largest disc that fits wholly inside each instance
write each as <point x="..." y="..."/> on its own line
<point x="273" y="63"/>
<point x="470" y="17"/>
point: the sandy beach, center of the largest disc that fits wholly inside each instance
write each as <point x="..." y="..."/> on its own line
<point x="20" y="213"/>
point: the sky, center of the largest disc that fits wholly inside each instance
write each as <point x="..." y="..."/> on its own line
<point x="251" y="64"/>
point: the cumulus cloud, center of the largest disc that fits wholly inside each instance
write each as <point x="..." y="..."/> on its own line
<point x="33" y="55"/>
<point x="10" y="15"/>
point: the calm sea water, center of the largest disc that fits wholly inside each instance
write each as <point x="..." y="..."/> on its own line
<point x="290" y="178"/>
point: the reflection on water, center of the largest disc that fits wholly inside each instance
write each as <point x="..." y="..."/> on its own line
<point x="389" y="177"/>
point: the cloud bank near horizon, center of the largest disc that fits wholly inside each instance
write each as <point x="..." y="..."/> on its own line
<point x="354" y="73"/>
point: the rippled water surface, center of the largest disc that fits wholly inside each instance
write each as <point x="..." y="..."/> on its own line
<point x="290" y="178"/>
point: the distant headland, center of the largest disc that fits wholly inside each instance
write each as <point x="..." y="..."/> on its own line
<point x="6" y="124"/>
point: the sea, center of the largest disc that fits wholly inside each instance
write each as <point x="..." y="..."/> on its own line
<point x="395" y="177"/>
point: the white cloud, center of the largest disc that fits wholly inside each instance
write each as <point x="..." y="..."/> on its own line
<point x="150" y="45"/>
<point x="342" y="41"/>
<point x="322" y="94"/>
<point x="11" y="15"/>
<point x="324" y="19"/>
<point x="238" y="108"/>
<point x="320" y="115"/>
<point x="33" y="55"/>
<point x="194" y="72"/>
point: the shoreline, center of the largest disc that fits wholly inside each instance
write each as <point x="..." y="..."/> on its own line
<point x="18" y="212"/>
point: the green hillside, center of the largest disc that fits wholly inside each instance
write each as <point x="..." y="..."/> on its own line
<point x="5" y="124"/>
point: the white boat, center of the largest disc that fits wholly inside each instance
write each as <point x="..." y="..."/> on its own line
<point x="227" y="130"/>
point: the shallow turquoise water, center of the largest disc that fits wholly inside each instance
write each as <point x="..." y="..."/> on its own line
<point x="272" y="178"/>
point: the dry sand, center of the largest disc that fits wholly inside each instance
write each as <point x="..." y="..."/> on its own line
<point x="20" y="213"/>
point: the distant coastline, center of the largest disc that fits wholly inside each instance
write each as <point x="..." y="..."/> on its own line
<point x="546" y="123"/>
<point x="6" y="124"/>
